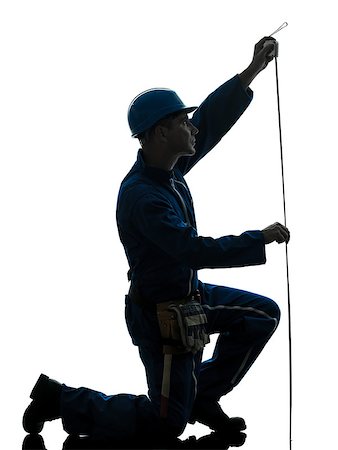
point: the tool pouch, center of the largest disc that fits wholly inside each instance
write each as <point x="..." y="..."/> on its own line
<point x="182" y="326"/>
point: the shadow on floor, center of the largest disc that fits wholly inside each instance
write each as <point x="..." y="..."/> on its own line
<point x="210" y="441"/>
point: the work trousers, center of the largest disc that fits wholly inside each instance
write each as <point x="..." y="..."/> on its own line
<point x="244" y="322"/>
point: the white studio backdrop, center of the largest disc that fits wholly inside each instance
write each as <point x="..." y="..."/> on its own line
<point x="68" y="72"/>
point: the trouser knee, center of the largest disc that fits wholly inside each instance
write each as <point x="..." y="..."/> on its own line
<point x="174" y="424"/>
<point x="273" y="310"/>
<point x="257" y="324"/>
<point x="268" y="308"/>
<point x="172" y="430"/>
<point x="273" y="314"/>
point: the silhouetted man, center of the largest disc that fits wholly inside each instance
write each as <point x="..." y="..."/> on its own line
<point x="170" y="313"/>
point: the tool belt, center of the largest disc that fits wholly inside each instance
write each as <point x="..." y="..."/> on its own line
<point x="182" y="325"/>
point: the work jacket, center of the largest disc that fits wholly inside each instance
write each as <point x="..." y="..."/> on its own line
<point x="155" y="213"/>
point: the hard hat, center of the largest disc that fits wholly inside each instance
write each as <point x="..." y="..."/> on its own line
<point x="151" y="106"/>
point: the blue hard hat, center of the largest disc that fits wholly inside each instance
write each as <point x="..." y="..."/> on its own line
<point x="151" y="106"/>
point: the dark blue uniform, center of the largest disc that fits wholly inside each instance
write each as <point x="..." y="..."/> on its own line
<point x="157" y="227"/>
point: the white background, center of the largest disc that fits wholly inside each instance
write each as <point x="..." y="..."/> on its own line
<point x="68" y="72"/>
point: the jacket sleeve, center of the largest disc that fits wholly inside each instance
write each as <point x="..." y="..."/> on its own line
<point x="160" y="225"/>
<point x="214" y="118"/>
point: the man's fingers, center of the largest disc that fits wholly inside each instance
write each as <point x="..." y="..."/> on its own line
<point x="276" y="232"/>
<point x="260" y="44"/>
<point x="283" y="233"/>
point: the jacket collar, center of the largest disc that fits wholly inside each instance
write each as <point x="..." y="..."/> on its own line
<point x="153" y="172"/>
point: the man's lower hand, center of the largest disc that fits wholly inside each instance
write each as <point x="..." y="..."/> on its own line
<point x="276" y="233"/>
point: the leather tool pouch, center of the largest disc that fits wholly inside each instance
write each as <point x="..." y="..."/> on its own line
<point x="182" y="326"/>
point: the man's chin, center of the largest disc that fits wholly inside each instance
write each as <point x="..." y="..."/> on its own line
<point x="192" y="151"/>
<point x="189" y="152"/>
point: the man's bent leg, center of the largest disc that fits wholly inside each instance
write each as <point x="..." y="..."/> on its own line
<point x="245" y="321"/>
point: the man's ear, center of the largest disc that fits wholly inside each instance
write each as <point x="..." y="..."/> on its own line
<point x="161" y="132"/>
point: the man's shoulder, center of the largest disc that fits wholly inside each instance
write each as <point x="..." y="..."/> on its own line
<point x="136" y="188"/>
<point x="135" y="181"/>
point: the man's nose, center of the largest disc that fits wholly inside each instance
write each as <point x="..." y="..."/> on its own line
<point x="194" y="130"/>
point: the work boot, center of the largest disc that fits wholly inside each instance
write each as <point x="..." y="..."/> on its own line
<point x="45" y="405"/>
<point x="212" y="415"/>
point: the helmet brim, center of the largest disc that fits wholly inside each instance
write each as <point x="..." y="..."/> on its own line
<point x="186" y="109"/>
